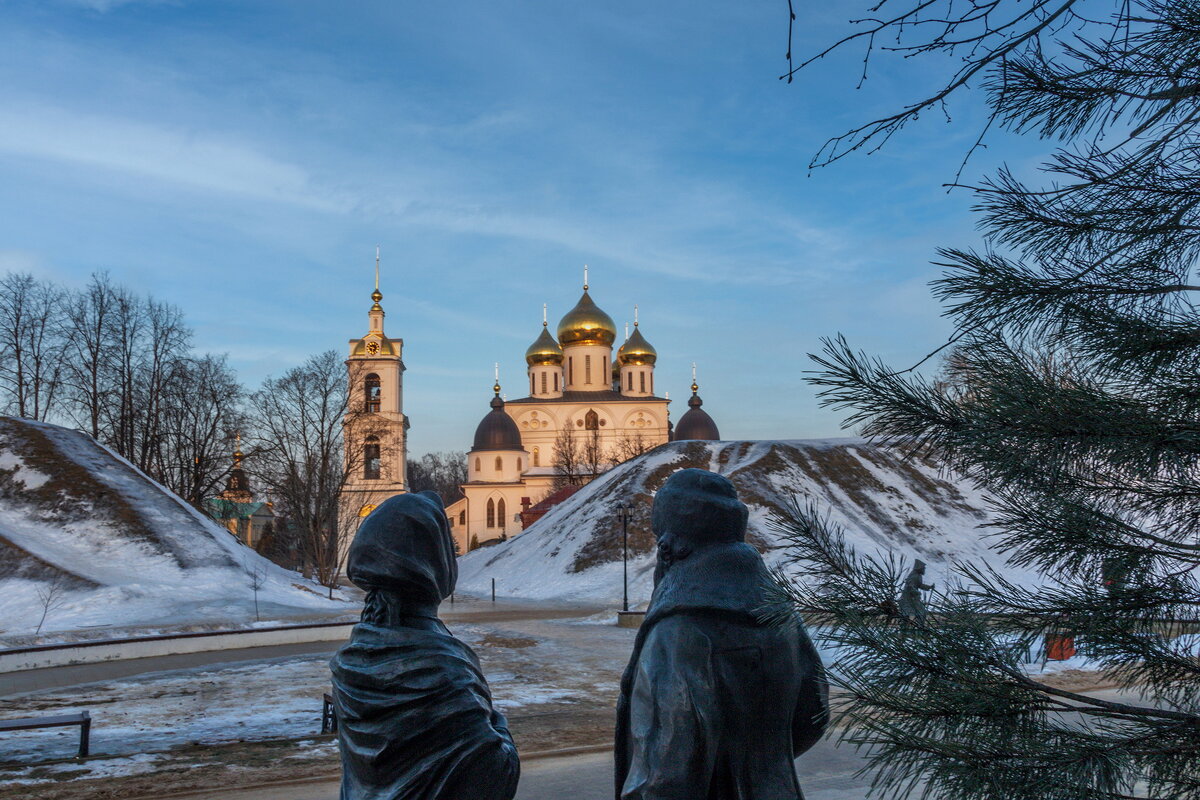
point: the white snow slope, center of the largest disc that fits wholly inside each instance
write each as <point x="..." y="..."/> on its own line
<point x="884" y="501"/>
<point x="93" y="542"/>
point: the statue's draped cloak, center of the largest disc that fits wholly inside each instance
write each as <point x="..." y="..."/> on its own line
<point x="715" y="705"/>
<point x="415" y="716"/>
<point x="416" y="720"/>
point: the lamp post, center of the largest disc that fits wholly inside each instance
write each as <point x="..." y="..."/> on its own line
<point x="625" y="511"/>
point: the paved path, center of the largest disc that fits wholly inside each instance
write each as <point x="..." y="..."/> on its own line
<point x="33" y="680"/>
<point x="826" y="773"/>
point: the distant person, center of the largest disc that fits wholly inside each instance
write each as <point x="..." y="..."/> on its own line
<point x="714" y="705"/>
<point x="912" y="605"/>
<point x="415" y="716"/>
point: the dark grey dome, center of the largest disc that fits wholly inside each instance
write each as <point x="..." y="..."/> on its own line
<point x="496" y="430"/>
<point x="695" y="423"/>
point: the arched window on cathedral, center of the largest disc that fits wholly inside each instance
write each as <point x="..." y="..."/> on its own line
<point x="587" y="369"/>
<point x="500" y="512"/>
<point x="571" y="370"/>
<point x="491" y="513"/>
<point x="556" y="381"/>
<point x="371" y="459"/>
<point x="372" y="393"/>
<point x="518" y="465"/>
<point x="629" y="375"/>
<point x="499" y="463"/>
<point x="537" y="457"/>
<point x="543" y="381"/>
<point x="478" y="465"/>
<point x="642" y="381"/>
<point x="591" y="420"/>
<point x="531" y="383"/>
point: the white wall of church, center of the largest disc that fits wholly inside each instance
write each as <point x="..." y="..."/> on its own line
<point x="588" y="367"/>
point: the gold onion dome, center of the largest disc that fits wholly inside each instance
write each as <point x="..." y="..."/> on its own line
<point x="586" y="324"/>
<point x="637" y="350"/>
<point x="544" y="351"/>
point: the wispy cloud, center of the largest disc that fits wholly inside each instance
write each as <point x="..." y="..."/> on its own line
<point x="195" y="159"/>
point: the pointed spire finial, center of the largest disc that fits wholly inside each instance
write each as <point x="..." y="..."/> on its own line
<point x="695" y="386"/>
<point x="544" y="323"/>
<point x="585" y="277"/>
<point x="376" y="295"/>
<point x="496" y="386"/>
<point x="635" y="315"/>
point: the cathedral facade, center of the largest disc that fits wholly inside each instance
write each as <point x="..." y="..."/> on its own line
<point x="587" y="409"/>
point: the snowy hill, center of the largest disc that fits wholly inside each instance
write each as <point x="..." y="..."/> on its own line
<point x="884" y="501"/>
<point x="118" y="549"/>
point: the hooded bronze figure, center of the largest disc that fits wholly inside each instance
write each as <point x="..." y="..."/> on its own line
<point x="912" y="605"/>
<point x="415" y="716"/>
<point x="714" y="705"/>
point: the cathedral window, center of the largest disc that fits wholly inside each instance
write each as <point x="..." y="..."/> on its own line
<point x="518" y="465"/>
<point x="629" y="375"/>
<point x="556" y="381"/>
<point x="531" y="383"/>
<point x="373" y="392"/>
<point x="500" y="512"/>
<point x="651" y="383"/>
<point x="499" y="463"/>
<point x="543" y="381"/>
<point x="537" y="457"/>
<point x="478" y="465"/>
<point x="491" y="513"/>
<point x="462" y="518"/>
<point x="642" y="381"/>
<point x="571" y="370"/>
<point x="371" y="459"/>
<point x="591" y="420"/>
<point x="587" y="369"/>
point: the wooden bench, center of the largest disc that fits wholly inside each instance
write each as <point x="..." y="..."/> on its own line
<point x="83" y="719"/>
<point x="328" y="716"/>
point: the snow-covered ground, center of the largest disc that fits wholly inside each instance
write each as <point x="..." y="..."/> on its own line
<point x="89" y="541"/>
<point x="884" y="501"/>
<point x="531" y="665"/>
<point x="528" y="664"/>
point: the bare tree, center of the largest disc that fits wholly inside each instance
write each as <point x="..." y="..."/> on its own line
<point x="88" y="330"/>
<point x="444" y="473"/>
<point x="567" y="458"/>
<point x="163" y="359"/>
<point x="299" y="457"/>
<point x="200" y="411"/>
<point x="51" y="594"/>
<point x="591" y="454"/>
<point x="30" y="345"/>
<point x="258" y="578"/>
<point x="631" y="445"/>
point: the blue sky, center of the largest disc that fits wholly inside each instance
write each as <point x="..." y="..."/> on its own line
<point x="242" y="159"/>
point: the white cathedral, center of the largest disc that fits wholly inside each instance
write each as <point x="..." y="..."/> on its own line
<point x="601" y="409"/>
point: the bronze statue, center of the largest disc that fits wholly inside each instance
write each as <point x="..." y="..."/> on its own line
<point x="415" y="716"/>
<point x="912" y="606"/>
<point x="714" y="705"/>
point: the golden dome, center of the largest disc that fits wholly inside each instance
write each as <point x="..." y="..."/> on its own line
<point x="586" y="324"/>
<point x="544" y="351"/>
<point x="637" y="350"/>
